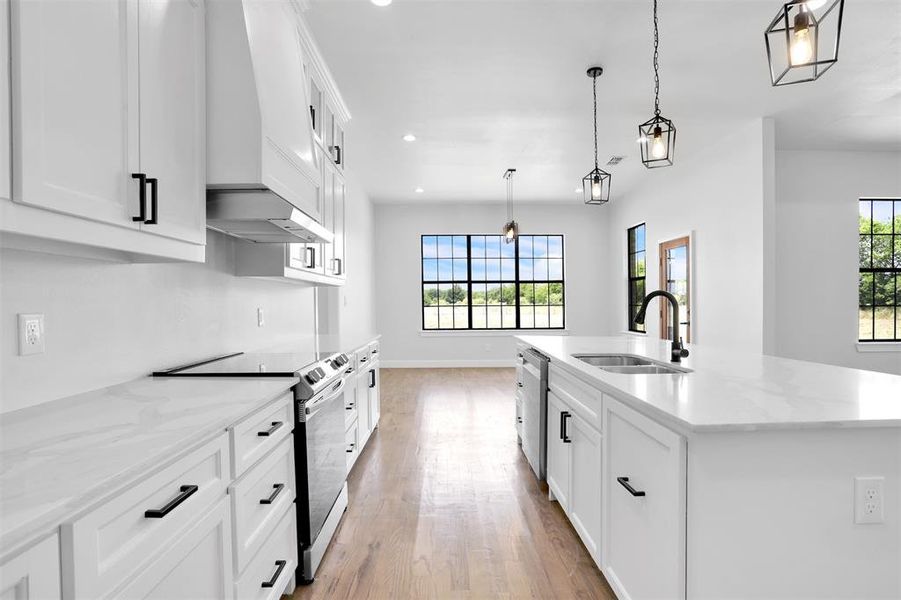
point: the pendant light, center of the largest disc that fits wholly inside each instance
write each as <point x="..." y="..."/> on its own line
<point x="802" y="40"/>
<point x="657" y="135"/>
<point x="511" y="227"/>
<point x="596" y="185"/>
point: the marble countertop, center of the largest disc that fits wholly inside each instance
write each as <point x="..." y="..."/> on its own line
<point x="731" y="390"/>
<point x="59" y="457"/>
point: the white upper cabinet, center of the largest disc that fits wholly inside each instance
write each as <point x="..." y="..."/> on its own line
<point x="172" y="114"/>
<point x="75" y="107"/>
<point x="108" y="115"/>
<point x="260" y="132"/>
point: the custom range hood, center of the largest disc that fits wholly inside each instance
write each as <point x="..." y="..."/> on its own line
<point x="263" y="176"/>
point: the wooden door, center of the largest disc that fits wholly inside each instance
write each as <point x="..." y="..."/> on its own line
<point x="675" y="277"/>
<point x="172" y="115"/>
<point x="74" y="103"/>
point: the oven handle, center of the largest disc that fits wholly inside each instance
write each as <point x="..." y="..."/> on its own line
<point x="316" y="404"/>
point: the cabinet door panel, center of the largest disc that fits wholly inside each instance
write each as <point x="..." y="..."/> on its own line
<point x="558" y="452"/>
<point x="75" y="107"/>
<point x="171" y="37"/>
<point x="586" y="476"/>
<point x="643" y="534"/>
<point x="375" y="400"/>
<point x="339" y="245"/>
<point x="34" y="574"/>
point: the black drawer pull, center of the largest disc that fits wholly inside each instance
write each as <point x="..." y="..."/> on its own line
<point x="271" y="430"/>
<point x="624" y="481"/>
<point x="372" y="378"/>
<point x="349" y="406"/>
<point x="564" y="434"/>
<point x="184" y="492"/>
<point x="519" y="384"/>
<point x="363" y="359"/>
<point x="351" y="449"/>
<point x="154" y="205"/>
<point x="349" y="371"/>
<point x="278" y="490"/>
<point x="142" y="212"/>
<point x="281" y="567"/>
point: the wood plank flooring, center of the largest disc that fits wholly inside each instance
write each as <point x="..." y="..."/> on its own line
<point x="444" y="505"/>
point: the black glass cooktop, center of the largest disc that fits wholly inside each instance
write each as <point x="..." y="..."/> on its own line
<point x="251" y="364"/>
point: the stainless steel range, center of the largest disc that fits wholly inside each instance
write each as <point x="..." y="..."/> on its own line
<point x="319" y="450"/>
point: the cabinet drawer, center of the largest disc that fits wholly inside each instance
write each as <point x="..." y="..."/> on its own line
<point x="350" y="445"/>
<point x="273" y="566"/>
<point x="261" y="432"/>
<point x="644" y="528"/>
<point x="33" y="574"/>
<point x="581" y="397"/>
<point x="374" y="350"/>
<point x="362" y="358"/>
<point x="115" y="540"/>
<point x="259" y="498"/>
<point x="518" y="423"/>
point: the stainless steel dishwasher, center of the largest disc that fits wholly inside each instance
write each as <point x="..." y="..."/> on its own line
<point x="534" y="410"/>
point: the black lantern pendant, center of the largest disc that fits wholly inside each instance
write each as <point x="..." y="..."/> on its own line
<point x="596" y="185"/>
<point x="802" y="40"/>
<point x="657" y="135"/>
<point x="511" y="227"/>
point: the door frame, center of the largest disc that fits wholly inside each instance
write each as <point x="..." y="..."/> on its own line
<point x="687" y="241"/>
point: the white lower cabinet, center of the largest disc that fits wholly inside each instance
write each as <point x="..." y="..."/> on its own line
<point x="272" y="569"/>
<point x="558" y="457"/>
<point x="644" y="506"/>
<point x="585" y="483"/>
<point x="34" y="574"/>
<point x="196" y="567"/>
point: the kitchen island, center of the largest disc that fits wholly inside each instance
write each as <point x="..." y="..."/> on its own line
<point x="745" y="476"/>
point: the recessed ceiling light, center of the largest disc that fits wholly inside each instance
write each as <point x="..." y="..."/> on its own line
<point x="381" y="2"/>
<point x="409" y="138"/>
<point x="419" y="190"/>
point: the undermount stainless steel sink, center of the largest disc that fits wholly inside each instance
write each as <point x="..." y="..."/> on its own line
<point x="612" y="360"/>
<point x="629" y="365"/>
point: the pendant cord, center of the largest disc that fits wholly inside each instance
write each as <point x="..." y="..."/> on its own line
<point x="656" y="65"/>
<point x="594" y="83"/>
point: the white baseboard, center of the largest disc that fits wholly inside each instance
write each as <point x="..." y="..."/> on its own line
<point x="446" y="364"/>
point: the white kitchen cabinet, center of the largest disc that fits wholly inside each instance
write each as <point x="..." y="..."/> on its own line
<point x="172" y="114"/>
<point x="272" y="568"/>
<point x="103" y="91"/>
<point x="374" y="395"/>
<point x="644" y="485"/>
<point x="197" y="566"/>
<point x="339" y="245"/>
<point x="585" y="483"/>
<point x="33" y="574"/>
<point x="558" y="458"/>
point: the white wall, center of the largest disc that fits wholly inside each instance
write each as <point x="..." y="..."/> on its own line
<point x="816" y="246"/>
<point x="398" y="288"/>
<point x="716" y="196"/>
<point x="107" y="323"/>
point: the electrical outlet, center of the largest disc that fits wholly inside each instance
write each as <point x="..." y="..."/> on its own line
<point x="260" y="320"/>
<point x="31" y="334"/>
<point x="869" y="499"/>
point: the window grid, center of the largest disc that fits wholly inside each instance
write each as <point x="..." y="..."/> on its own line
<point x="636" y="255"/>
<point x="879" y="282"/>
<point x="500" y="281"/>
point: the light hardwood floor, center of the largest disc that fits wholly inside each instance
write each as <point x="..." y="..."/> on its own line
<point x="444" y="505"/>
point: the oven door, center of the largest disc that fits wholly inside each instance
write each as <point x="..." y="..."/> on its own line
<point x="326" y="465"/>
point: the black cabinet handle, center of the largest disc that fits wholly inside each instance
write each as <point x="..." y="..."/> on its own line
<point x="349" y="371"/>
<point x="313" y="116"/>
<point x="564" y="435"/>
<point x="349" y="406"/>
<point x="271" y="430"/>
<point x="184" y="492"/>
<point x="519" y="384"/>
<point x="278" y="490"/>
<point x="351" y="449"/>
<point x="372" y="378"/>
<point x="280" y="564"/>
<point x="624" y="481"/>
<point x="364" y="359"/>
<point x="336" y="151"/>
<point x="376" y="351"/>
<point x="142" y="181"/>
<point x="154" y="206"/>
<point x="311" y="257"/>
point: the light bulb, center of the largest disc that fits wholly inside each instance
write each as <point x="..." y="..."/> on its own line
<point x="596" y="188"/>
<point x="658" y="148"/>
<point x="801" y="49"/>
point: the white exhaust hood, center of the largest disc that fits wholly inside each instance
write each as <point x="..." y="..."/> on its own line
<point x="263" y="177"/>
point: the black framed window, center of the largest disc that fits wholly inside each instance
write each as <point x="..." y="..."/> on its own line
<point x="636" y="254"/>
<point x="879" y="282"/>
<point x="479" y="282"/>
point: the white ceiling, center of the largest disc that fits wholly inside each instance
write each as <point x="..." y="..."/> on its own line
<point x="491" y="84"/>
